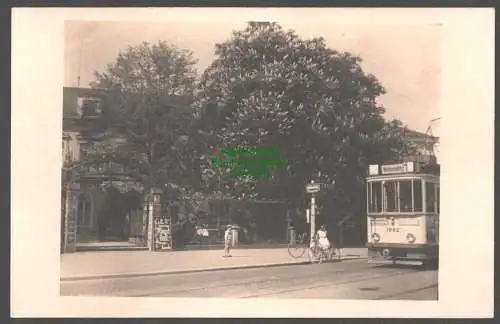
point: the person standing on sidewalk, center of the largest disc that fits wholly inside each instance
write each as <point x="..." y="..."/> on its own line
<point x="228" y="238"/>
<point x="205" y="234"/>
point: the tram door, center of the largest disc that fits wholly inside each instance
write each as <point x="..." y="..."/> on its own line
<point x="374" y="198"/>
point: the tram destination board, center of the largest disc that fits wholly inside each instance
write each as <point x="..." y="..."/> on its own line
<point x="406" y="167"/>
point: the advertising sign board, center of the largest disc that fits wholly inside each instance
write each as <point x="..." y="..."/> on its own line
<point x="162" y="234"/>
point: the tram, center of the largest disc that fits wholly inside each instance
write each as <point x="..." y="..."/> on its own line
<point x="403" y="213"/>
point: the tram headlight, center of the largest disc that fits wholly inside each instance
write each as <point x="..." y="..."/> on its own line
<point x="411" y="238"/>
<point x="376" y="237"/>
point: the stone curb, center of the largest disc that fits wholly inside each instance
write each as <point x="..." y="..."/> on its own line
<point x="173" y="272"/>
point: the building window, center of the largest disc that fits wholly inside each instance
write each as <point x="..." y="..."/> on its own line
<point x="84" y="211"/>
<point x="66" y="151"/>
<point x="89" y="107"/>
<point x="84" y="148"/>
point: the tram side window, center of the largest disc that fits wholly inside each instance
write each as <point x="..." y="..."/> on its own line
<point x="417" y="191"/>
<point x="391" y="197"/>
<point x="437" y="198"/>
<point x="375" y="192"/>
<point x="430" y="197"/>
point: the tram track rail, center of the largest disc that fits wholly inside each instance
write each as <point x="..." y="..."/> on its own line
<point x="406" y="292"/>
<point x="334" y="284"/>
<point x="305" y="281"/>
<point x="247" y="283"/>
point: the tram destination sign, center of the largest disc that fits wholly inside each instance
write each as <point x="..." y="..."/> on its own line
<point x="397" y="168"/>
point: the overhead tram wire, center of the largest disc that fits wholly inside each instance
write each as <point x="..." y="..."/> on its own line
<point x="429" y="127"/>
<point x="409" y="98"/>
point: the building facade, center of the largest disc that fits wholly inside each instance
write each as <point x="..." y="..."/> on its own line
<point x="424" y="144"/>
<point x="84" y="123"/>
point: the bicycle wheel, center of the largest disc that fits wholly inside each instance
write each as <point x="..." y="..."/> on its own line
<point x="296" y="250"/>
<point x="314" y="254"/>
<point x="331" y="254"/>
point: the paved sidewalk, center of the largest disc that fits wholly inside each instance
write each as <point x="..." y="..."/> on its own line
<point x="95" y="265"/>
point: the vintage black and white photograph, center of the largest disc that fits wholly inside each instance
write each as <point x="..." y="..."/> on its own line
<point x="250" y="160"/>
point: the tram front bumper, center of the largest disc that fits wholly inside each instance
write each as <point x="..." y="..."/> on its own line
<point x="401" y="252"/>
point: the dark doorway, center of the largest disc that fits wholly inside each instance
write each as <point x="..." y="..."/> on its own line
<point x="111" y="217"/>
<point x="133" y="225"/>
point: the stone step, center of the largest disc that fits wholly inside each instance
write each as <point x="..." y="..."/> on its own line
<point x="109" y="246"/>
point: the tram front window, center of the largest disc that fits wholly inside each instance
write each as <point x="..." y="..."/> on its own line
<point x="405" y="195"/>
<point x="391" y="196"/>
<point x="398" y="196"/>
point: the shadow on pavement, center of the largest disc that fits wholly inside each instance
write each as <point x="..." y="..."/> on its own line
<point x="416" y="267"/>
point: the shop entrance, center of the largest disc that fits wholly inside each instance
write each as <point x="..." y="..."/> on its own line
<point x="114" y="217"/>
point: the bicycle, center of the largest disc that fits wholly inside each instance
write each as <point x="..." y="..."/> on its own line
<point x="322" y="255"/>
<point x="301" y="245"/>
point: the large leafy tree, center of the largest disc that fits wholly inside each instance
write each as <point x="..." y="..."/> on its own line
<point x="269" y="87"/>
<point x="150" y="117"/>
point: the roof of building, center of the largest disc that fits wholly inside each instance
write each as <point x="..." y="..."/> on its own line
<point x="71" y="95"/>
<point x="413" y="134"/>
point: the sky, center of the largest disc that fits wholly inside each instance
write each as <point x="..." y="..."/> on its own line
<point x="406" y="59"/>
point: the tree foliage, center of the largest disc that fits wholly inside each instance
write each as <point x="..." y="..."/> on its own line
<point x="269" y="87"/>
<point x="151" y="129"/>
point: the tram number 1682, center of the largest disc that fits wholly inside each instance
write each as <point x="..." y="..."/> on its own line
<point x="392" y="229"/>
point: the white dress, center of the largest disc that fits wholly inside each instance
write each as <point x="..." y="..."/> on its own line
<point x="323" y="241"/>
<point x="228" y="237"/>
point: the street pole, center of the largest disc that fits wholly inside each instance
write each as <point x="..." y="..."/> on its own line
<point x="313" y="216"/>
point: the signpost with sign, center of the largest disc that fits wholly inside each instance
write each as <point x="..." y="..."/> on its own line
<point x="313" y="188"/>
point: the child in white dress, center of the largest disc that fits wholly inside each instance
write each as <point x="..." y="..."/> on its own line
<point x="322" y="237"/>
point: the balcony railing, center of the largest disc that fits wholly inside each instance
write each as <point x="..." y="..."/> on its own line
<point x="104" y="168"/>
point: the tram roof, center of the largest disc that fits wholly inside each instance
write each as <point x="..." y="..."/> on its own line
<point x="403" y="176"/>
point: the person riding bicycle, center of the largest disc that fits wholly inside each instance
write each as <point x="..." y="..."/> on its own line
<point x="322" y="238"/>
